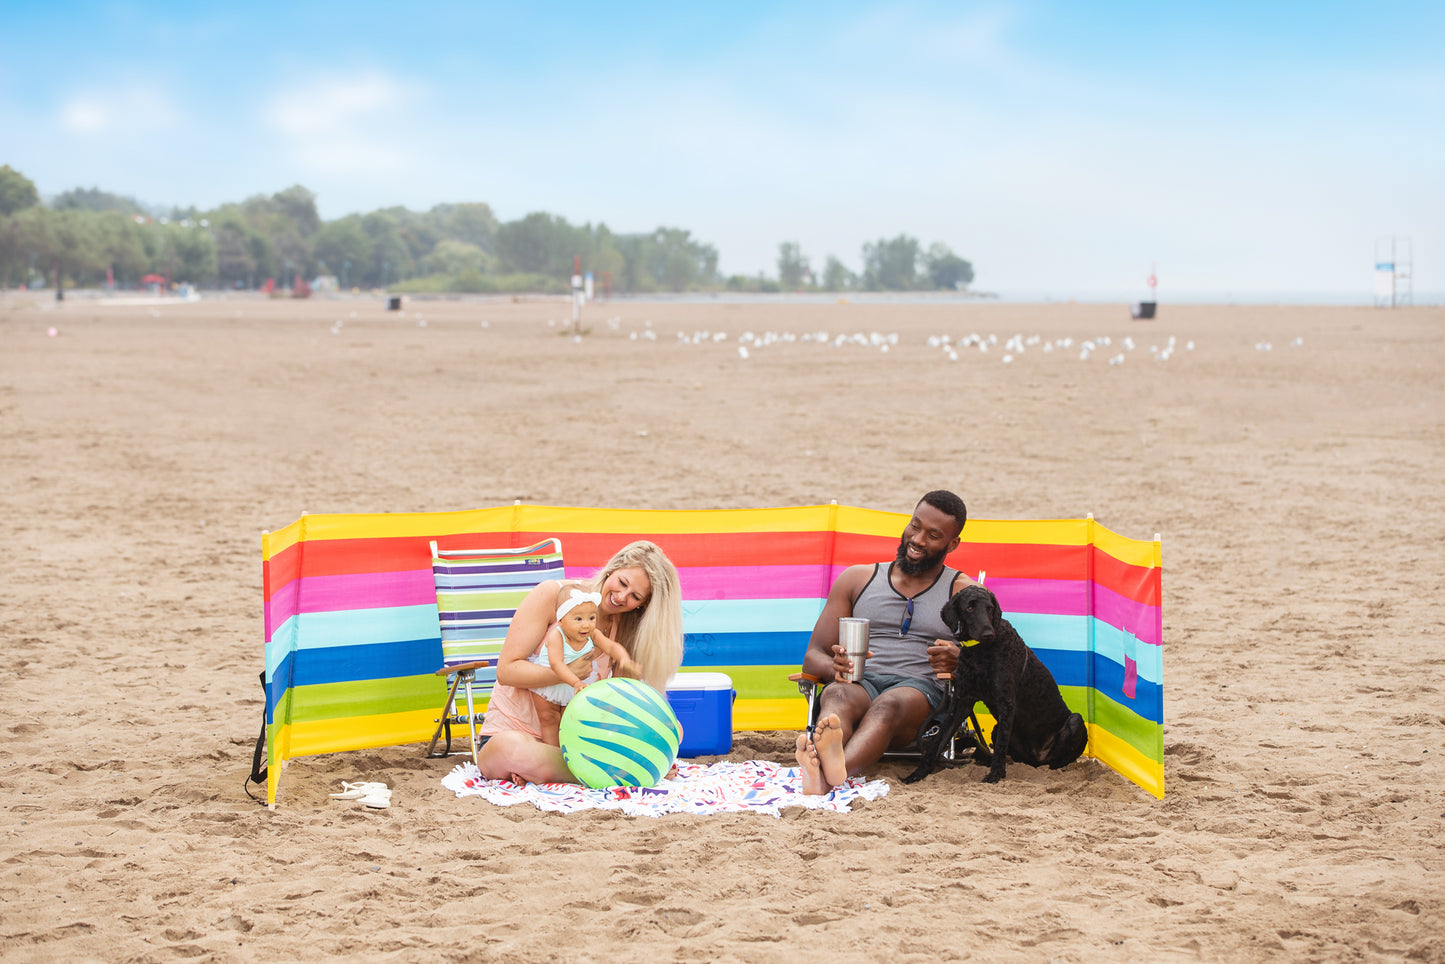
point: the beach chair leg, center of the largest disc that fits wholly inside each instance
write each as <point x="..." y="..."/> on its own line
<point x="444" y="724"/>
<point x="472" y="721"/>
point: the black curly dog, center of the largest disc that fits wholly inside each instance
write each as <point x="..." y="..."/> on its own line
<point x="996" y="668"/>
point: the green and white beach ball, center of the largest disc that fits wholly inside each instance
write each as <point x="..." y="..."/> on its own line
<point x="619" y="733"/>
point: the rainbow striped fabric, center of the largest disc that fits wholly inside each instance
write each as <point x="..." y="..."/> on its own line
<point x="352" y="642"/>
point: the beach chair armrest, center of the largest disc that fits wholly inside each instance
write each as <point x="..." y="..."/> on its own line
<point x="462" y="667"/>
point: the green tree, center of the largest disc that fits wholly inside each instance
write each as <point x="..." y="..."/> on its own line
<point x="946" y="270"/>
<point x="542" y="243"/>
<point x="668" y="259"/>
<point x="235" y="254"/>
<point x="94" y="199"/>
<point x="298" y="206"/>
<point x="471" y="223"/>
<point x="891" y="265"/>
<point x="61" y="242"/>
<point x="390" y="258"/>
<point x="793" y="268"/>
<point x="17" y="192"/>
<point x="455" y="257"/>
<point x="345" y="249"/>
<point x="837" y="277"/>
<point x="119" y="245"/>
<point x="194" y="260"/>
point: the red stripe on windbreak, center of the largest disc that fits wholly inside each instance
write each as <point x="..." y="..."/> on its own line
<point x="592" y="550"/>
<point x="1020" y="560"/>
<point x="1139" y="583"/>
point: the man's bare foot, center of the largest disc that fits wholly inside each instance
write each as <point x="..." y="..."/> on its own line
<point x="828" y="738"/>
<point x="810" y="769"/>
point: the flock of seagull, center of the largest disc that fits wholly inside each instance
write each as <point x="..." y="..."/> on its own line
<point x="952" y="348"/>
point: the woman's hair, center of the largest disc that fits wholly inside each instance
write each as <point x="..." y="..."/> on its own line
<point x="652" y="633"/>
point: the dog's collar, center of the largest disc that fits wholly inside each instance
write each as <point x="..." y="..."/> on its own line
<point x="964" y="643"/>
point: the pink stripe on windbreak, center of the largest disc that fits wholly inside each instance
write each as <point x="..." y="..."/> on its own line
<point x="757" y="582"/>
<point x="1066" y="597"/>
<point x="1053" y="597"/>
<point x="745" y="582"/>
<point x="368" y="590"/>
<point x="1138" y="618"/>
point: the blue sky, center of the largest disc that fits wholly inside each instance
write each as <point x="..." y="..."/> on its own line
<point x="1243" y="149"/>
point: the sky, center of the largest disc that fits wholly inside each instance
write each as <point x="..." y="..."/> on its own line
<point x="1067" y="150"/>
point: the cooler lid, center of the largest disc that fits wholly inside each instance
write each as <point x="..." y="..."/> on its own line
<point x="700" y="681"/>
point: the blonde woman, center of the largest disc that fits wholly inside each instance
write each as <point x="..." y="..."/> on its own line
<point x="641" y="608"/>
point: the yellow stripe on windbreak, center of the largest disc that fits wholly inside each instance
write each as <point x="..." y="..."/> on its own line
<point x="560" y="520"/>
<point x="280" y="540"/>
<point x="1126" y="760"/>
<point x="540" y="518"/>
<point x="1134" y="552"/>
<point x="1048" y="532"/>
<point x="311" y="737"/>
<point x="777" y="714"/>
<point x="1033" y="532"/>
<point x="557" y="520"/>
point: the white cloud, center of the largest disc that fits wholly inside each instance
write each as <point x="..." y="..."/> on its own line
<point x="128" y="110"/>
<point x="345" y="126"/>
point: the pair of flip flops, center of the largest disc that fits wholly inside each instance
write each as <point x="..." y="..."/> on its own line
<point x="374" y="795"/>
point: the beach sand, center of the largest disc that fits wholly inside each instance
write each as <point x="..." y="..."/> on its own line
<point x="1297" y="491"/>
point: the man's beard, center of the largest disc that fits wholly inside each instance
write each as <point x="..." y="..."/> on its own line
<point x="918" y="568"/>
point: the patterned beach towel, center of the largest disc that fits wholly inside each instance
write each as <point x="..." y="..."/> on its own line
<point x="754" y="786"/>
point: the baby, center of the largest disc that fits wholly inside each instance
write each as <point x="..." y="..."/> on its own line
<point x="573" y="637"/>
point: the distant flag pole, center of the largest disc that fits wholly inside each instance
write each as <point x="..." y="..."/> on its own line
<point x="576" y="295"/>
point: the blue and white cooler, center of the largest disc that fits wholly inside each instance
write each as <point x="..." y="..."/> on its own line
<point x="703" y="703"/>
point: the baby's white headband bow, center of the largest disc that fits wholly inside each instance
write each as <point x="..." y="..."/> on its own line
<point x="577" y="598"/>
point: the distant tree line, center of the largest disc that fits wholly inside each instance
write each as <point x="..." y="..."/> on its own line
<point x="899" y="264"/>
<point x="83" y="234"/>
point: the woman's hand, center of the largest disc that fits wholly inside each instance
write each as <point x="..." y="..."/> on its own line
<point x="582" y="666"/>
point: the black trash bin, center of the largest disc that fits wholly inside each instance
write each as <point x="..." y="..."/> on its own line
<point x="393" y="303"/>
<point x="1143" y="309"/>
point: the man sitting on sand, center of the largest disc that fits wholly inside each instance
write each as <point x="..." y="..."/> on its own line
<point x="908" y="646"/>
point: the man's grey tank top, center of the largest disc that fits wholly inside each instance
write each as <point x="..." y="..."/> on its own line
<point x="884" y="608"/>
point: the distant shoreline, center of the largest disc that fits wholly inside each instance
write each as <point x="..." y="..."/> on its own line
<point x="1260" y="299"/>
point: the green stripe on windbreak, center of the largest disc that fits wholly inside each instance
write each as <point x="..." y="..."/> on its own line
<point x="401" y="694"/>
<point x="754" y="682"/>
<point x="1143" y="735"/>
<point x="283" y="709"/>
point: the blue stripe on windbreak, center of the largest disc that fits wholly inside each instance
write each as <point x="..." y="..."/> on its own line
<point x="348" y="664"/>
<point x="750" y="615"/>
<point x="276" y="685"/>
<point x="745" y="649"/>
<point x="1044" y="631"/>
<point x="1070" y="668"/>
<point x="771" y="631"/>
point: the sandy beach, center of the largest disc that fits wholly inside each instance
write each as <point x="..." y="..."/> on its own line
<point x="1291" y="461"/>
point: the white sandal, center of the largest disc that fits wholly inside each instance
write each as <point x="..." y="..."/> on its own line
<point x="356" y="791"/>
<point x="378" y="799"/>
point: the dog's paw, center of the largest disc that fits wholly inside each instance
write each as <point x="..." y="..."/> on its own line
<point x="994" y="776"/>
<point x="916" y="775"/>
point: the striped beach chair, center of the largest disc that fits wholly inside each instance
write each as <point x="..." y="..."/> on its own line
<point x="478" y="591"/>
